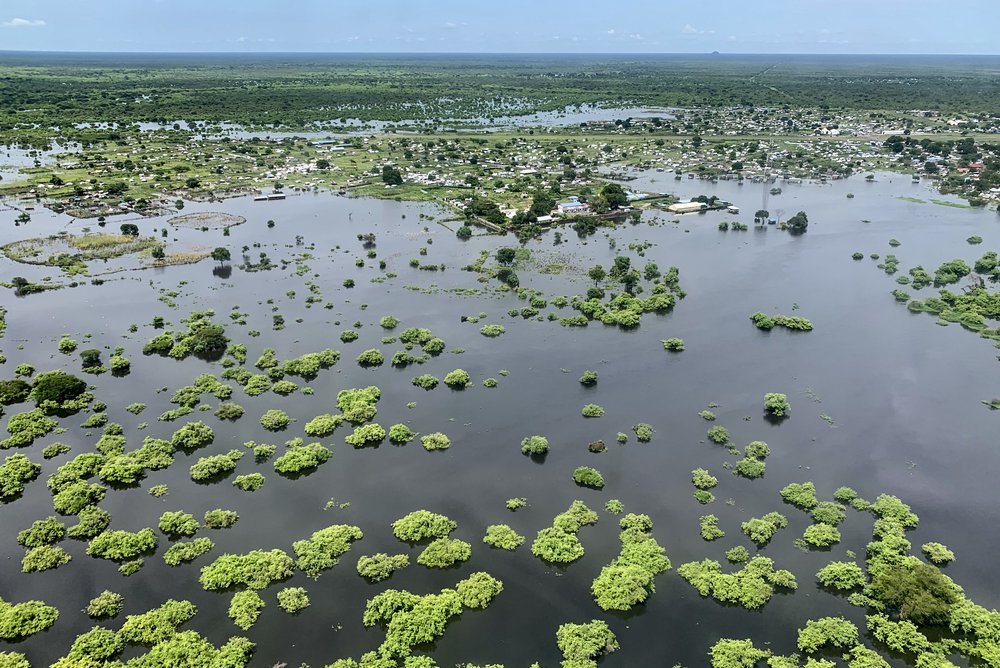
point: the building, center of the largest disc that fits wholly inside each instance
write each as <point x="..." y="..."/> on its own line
<point x="687" y="207"/>
<point x="572" y="207"/>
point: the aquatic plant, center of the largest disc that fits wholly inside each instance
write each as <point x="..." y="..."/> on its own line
<point x="220" y="519"/>
<point x="776" y="404"/>
<point x="368" y="434"/>
<point x="275" y="420"/>
<point x="457" y="379"/>
<point x="587" y="476"/>
<point x="673" y="344"/>
<point x="380" y="566"/>
<point x="245" y="607"/>
<point x="592" y="411"/>
<point x="207" y="468"/>
<point x="444" y="552"/>
<point x="435" y="441"/>
<point x="256" y="569"/>
<point x="119" y="545"/>
<point x="323" y="549"/>
<point x="501" y="536"/>
<point x="841" y="575"/>
<point x="187" y="551"/>
<point x="105" y="605"/>
<point x="534" y="445"/>
<point x="178" y="523"/>
<point x="302" y="458"/>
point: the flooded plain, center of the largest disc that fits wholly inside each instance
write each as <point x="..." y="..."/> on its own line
<point x="899" y="398"/>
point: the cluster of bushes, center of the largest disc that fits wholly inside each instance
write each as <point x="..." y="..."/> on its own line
<point x="411" y="620"/>
<point x="558" y="543"/>
<point x="255" y="570"/>
<point x="501" y="536"/>
<point x="750" y="587"/>
<point x="322" y="550"/>
<point x="302" y="458"/>
<point x="421" y="525"/>
<point x="380" y="566"/>
<point x="628" y="579"/>
<point x="761" y="529"/>
<point x="359" y="405"/>
<point x="215" y="466"/>
<point x="752" y="465"/>
<point x="766" y="322"/>
<point x="187" y="551"/>
<point x="444" y="553"/>
<point x="203" y="338"/>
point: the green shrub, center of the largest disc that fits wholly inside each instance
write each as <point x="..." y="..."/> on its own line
<point x="718" y="434"/>
<point x="358" y="405"/>
<point x="122" y="545"/>
<point x="833" y="631"/>
<point x="25" y="619"/>
<point x="255" y="570"/>
<point x="250" y="482"/>
<point x="710" y="529"/>
<point x="516" y="503"/>
<point x="673" y="345"/>
<point x="841" y="575"/>
<point x="400" y="434"/>
<point x="302" y="458"/>
<point x="761" y="530"/>
<point x="381" y="566"/>
<point x="750" y="587"/>
<point x="220" y="519"/>
<point x="192" y="436"/>
<point x="702" y="479"/>
<point x="534" y="445"/>
<point x="178" y="523"/>
<point x="368" y="434"/>
<point x="643" y="432"/>
<point x="293" y="600"/>
<point x="421" y="525"/>
<point x="457" y="379"/>
<point x="323" y="425"/>
<point x="776" y="404"/>
<point x="492" y="330"/>
<point x="43" y="558"/>
<point x="800" y="495"/>
<point x="821" y="535"/>
<point x="582" y="644"/>
<point x="444" y="552"/>
<point x="244" y="609"/>
<point x="426" y="381"/>
<point x="592" y="411"/>
<point x="371" y="357"/>
<point x="187" y="551"/>
<point x="275" y="420"/>
<point x="16" y="471"/>
<point x="588" y="378"/>
<point x="105" y="605"/>
<point x="936" y="553"/>
<point x="503" y="537"/>
<point x="588" y="477"/>
<point x="207" y="468"/>
<point x="435" y="441"/>
<point x="322" y="550"/>
<point x="42" y="532"/>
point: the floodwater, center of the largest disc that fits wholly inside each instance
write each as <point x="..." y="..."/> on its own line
<point x="904" y="395"/>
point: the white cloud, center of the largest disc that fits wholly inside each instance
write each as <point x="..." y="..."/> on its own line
<point x="689" y="29"/>
<point x="611" y="32"/>
<point x="23" y="23"/>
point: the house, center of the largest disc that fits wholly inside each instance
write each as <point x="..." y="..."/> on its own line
<point x="687" y="207"/>
<point x="571" y="207"/>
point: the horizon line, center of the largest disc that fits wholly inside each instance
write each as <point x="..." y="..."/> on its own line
<point x="4" y="52"/>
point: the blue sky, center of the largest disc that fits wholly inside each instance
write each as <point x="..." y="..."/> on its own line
<point x="561" y="26"/>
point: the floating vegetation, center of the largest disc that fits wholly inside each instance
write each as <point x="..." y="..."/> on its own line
<point x="559" y="544"/>
<point x="628" y="579"/>
<point x="794" y="323"/>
